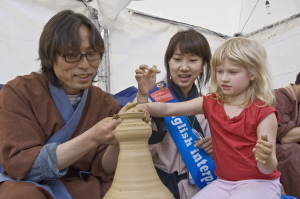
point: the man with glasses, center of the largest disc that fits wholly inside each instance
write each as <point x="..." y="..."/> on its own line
<point x="56" y="128"/>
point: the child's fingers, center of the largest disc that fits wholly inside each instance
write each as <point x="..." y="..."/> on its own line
<point x="264" y="144"/>
<point x="265" y="141"/>
<point x="145" y="109"/>
<point x="264" y="147"/>
<point x="260" y="160"/>
<point x="264" y="138"/>
<point x="139" y="108"/>
<point x="127" y="107"/>
<point x="257" y="155"/>
<point x="262" y="154"/>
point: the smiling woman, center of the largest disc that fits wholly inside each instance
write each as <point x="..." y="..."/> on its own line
<point x="185" y="69"/>
<point x="187" y="59"/>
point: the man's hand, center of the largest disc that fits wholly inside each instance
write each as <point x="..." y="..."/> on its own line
<point x="103" y="131"/>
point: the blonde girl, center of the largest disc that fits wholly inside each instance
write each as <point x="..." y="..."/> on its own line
<point x="243" y="124"/>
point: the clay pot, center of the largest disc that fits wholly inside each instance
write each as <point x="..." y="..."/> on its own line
<point x="135" y="175"/>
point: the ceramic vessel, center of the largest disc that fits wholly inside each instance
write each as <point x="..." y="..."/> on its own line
<point x="135" y="176"/>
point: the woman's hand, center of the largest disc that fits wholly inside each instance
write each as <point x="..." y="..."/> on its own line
<point x="263" y="150"/>
<point x="146" y="78"/>
<point x="205" y="144"/>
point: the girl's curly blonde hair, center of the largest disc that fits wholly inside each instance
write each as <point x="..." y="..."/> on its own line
<point x="253" y="57"/>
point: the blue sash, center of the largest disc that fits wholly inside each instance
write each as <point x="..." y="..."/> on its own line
<point x="199" y="163"/>
<point x="71" y="119"/>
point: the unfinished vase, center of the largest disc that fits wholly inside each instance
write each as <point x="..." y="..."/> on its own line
<point x="135" y="175"/>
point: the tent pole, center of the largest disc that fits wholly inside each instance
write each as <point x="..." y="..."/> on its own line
<point x="200" y="29"/>
<point x="273" y="25"/>
<point x="105" y="60"/>
<point x="104" y="70"/>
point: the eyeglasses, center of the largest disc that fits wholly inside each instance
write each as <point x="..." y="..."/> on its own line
<point x="91" y="56"/>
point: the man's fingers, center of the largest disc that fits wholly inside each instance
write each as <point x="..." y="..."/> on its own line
<point x="113" y="122"/>
<point x="116" y="123"/>
<point x="116" y="116"/>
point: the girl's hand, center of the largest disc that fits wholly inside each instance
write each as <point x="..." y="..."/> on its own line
<point x="263" y="150"/>
<point x="127" y="107"/>
<point x="146" y="78"/>
<point x="133" y="108"/>
<point x="205" y="144"/>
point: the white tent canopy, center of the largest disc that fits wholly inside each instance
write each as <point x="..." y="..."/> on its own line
<point x="139" y="32"/>
<point x="226" y="17"/>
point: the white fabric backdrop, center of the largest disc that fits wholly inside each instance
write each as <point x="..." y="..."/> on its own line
<point x="22" y="22"/>
<point x="134" y="40"/>
<point x="282" y="44"/>
<point x="142" y="41"/>
<point x="222" y="16"/>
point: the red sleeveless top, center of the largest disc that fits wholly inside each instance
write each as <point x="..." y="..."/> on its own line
<point x="234" y="140"/>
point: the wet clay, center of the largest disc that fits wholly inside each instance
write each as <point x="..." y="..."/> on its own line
<point x="135" y="176"/>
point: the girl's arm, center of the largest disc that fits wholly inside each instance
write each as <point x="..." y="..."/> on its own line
<point x="191" y="107"/>
<point x="264" y="150"/>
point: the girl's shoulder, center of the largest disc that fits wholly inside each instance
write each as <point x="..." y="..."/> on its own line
<point x="259" y="103"/>
<point x="212" y="99"/>
<point x="210" y="96"/>
<point x="261" y="109"/>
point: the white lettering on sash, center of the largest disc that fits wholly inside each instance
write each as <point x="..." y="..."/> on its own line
<point x="188" y="141"/>
<point x="181" y="127"/>
<point x="168" y="95"/>
<point x="199" y="160"/>
<point x="182" y="130"/>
